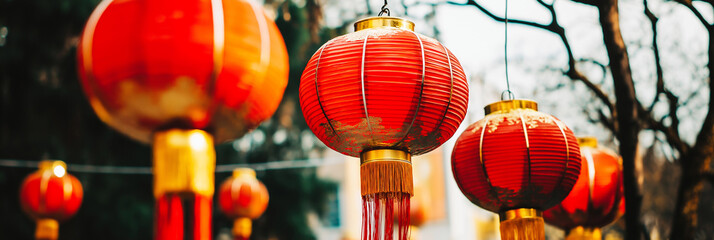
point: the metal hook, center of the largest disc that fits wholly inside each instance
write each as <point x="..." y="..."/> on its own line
<point x="384" y="9"/>
<point x="510" y="95"/>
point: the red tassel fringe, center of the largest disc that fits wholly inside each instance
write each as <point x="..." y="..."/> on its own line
<point x="381" y="212"/>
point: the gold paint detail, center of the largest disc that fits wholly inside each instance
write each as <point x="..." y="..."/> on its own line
<point x="242" y="227"/>
<point x="584" y="233"/>
<point x="509" y="105"/>
<point x="184" y="162"/>
<point x="384" y="22"/>
<point x="587" y="142"/>
<point x="520" y="213"/>
<point x="47" y="229"/>
<point x="386" y="171"/>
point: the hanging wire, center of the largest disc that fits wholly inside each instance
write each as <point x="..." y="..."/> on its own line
<point x="384" y="9"/>
<point x="81" y="168"/>
<point x="508" y="92"/>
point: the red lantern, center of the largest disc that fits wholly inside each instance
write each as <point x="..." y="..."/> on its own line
<point x="596" y="197"/>
<point x="169" y="72"/>
<point x="243" y="198"/>
<point x="50" y="195"/>
<point x="384" y="93"/>
<point x="516" y="162"/>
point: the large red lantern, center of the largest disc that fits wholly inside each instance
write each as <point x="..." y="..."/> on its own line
<point x="516" y="162"/>
<point x="179" y="74"/>
<point x="596" y="198"/>
<point x="50" y="195"/>
<point x="243" y="198"/>
<point x="384" y="93"/>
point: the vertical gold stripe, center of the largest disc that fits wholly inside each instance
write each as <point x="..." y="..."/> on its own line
<point x="364" y="95"/>
<point x="88" y="36"/>
<point x="219" y="38"/>
<point x="591" y="174"/>
<point x="67" y="188"/>
<point x="264" y="36"/>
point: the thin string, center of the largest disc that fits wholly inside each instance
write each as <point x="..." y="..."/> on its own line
<point x="508" y="91"/>
<point x="99" y="169"/>
<point x="384" y="9"/>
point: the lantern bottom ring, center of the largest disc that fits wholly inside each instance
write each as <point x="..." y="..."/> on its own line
<point x="520" y="213"/>
<point x="386" y="171"/>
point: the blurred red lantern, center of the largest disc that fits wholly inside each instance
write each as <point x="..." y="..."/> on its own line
<point x="597" y="196"/>
<point x="50" y="195"/>
<point x="384" y="93"/>
<point x="243" y="198"/>
<point x="516" y="162"/>
<point x="167" y="71"/>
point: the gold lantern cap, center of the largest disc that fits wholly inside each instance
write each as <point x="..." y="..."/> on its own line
<point x="587" y="141"/>
<point x="380" y="22"/>
<point x="508" y="105"/>
<point x="58" y="168"/>
<point x="243" y="172"/>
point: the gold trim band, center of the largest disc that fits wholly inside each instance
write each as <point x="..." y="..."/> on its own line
<point x="385" y="155"/>
<point x="248" y="172"/>
<point x="587" y="142"/>
<point x="508" y="105"/>
<point x="520" y="213"/>
<point x="379" y="22"/>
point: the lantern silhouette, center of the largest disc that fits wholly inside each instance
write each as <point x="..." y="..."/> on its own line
<point x="50" y="195"/>
<point x="383" y="94"/>
<point x="243" y="198"/>
<point x="597" y="197"/>
<point x="180" y="75"/>
<point x="516" y="162"/>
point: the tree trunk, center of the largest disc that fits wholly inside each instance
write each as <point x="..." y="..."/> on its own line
<point x="695" y="164"/>
<point x="628" y="128"/>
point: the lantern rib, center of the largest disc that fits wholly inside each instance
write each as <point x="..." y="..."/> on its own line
<point x="528" y="146"/>
<point x="483" y="162"/>
<point x="219" y="41"/>
<point x="421" y="91"/>
<point x="264" y="36"/>
<point x="364" y="96"/>
<point x="317" y="91"/>
<point x="567" y="151"/>
<point x="591" y="178"/>
<point x="451" y="89"/>
<point x="44" y="183"/>
<point x="67" y="189"/>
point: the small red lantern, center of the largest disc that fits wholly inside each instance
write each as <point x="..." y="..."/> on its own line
<point x="596" y="198"/>
<point x="384" y="93"/>
<point x="168" y="72"/>
<point x="516" y="162"/>
<point x="243" y="198"/>
<point x="50" y="195"/>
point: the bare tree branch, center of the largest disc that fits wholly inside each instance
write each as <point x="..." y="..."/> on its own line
<point x="695" y="11"/>
<point x="671" y="132"/>
<point x="556" y="28"/>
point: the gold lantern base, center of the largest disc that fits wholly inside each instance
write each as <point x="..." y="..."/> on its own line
<point x="584" y="233"/>
<point x="184" y="162"/>
<point x="386" y="171"/>
<point x="242" y="228"/>
<point x="522" y="224"/>
<point x="47" y="229"/>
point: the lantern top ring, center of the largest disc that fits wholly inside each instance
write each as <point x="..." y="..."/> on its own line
<point x="587" y="142"/>
<point x="381" y="22"/>
<point x="508" y="105"/>
<point x="249" y="172"/>
<point x="520" y="213"/>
